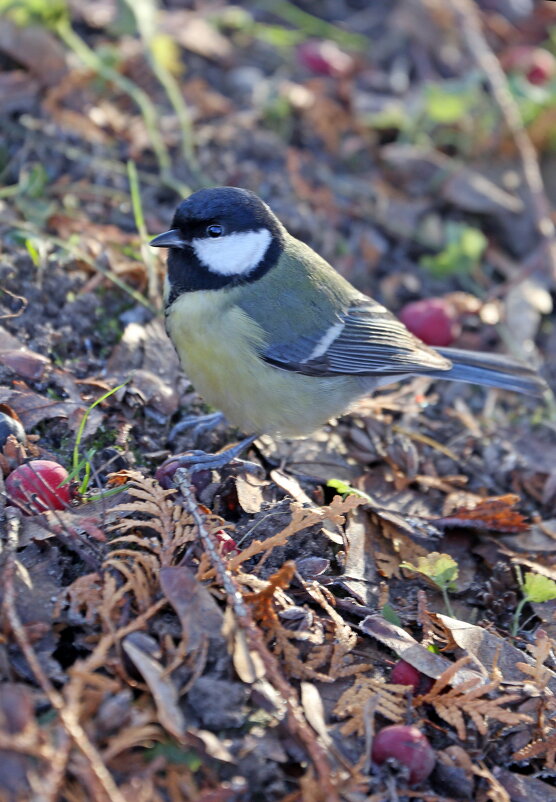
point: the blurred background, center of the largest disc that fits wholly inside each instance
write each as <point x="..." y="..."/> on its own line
<point x="411" y="143"/>
<point x="361" y="123"/>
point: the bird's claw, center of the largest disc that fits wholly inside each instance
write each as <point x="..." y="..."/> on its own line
<point x="197" y="460"/>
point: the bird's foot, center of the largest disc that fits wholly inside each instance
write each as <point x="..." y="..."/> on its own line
<point x="197" y="460"/>
<point x="197" y="423"/>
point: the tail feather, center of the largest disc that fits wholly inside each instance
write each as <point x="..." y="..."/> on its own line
<point x="491" y="370"/>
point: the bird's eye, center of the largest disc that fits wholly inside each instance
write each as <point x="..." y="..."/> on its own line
<point x="215" y="230"/>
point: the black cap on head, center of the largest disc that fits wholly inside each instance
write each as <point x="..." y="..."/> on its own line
<point x="240" y="209"/>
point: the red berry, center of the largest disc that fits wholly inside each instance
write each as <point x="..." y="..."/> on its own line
<point x="433" y="320"/>
<point x="537" y="64"/>
<point x="542" y="69"/>
<point x="227" y="543"/>
<point x="324" y="58"/>
<point x="408" y="746"/>
<point x="405" y="674"/>
<point x="35" y="486"/>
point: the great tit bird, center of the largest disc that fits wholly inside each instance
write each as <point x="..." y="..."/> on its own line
<point x="270" y="334"/>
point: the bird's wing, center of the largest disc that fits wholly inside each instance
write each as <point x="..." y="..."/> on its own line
<point x="366" y="340"/>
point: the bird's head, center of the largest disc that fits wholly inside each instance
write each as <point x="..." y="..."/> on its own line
<point x="219" y="237"/>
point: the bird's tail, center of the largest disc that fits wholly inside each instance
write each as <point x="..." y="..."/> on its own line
<point x="491" y="370"/>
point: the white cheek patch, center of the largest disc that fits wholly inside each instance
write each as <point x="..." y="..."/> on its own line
<point x="234" y="254"/>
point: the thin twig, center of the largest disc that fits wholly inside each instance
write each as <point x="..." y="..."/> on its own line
<point x="468" y="21"/>
<point x="296" y="719"/>
<point x="14" y="297"/>
<point x="52" y="782"/>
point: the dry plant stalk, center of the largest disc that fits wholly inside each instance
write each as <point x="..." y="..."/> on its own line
<point x="67" y="712"/>
<point x="495" y="791"/>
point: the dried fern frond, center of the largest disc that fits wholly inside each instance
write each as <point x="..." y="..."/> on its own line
<point x="388" y="699"/>
<point x="543" y="747"/>
<point x="171" y="524"/>
<point x="84" y="596"/>
<point x="289" y="645"/>
<point x="140" y="572"/>
<point x="342" y="638"/>
<point x="539" y="675"/>
<point x="472" y="698"/>
<point x="263" y="600"/>
<point x="301" y="519"/>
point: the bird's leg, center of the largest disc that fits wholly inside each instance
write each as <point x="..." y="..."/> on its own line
<point x="197" y="423"/>
<point x="197" y="460"/>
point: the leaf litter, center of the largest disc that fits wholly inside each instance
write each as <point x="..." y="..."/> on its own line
<point x="142" y="659"/>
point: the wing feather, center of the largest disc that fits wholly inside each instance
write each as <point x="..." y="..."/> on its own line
<point x="366" y="340"/>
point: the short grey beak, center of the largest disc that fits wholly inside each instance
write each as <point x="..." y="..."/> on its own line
<point x="169" y="239"/>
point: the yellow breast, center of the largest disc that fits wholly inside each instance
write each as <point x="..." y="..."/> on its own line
<point x="219" y="346"/>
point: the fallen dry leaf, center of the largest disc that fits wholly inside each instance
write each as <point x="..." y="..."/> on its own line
<point x="496" y="513"/>
<point x="522" y="788"/>
<point x="408" y="649"/>
<point x="163" y="689"/>
<point x="146" y="358"/>
<point x="198" y="35"/>
<point x="199" y="615"/>
<point x="490" y="650"/>
<point x="34" y="47"/>
<point x="249" y="490"/>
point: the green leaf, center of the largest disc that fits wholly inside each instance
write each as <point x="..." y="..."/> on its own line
<point x="439" y="568"/>
<point x="391" y="615"/>
<point x="176" y="754"/>
<point x="38" y="12"/>
<point x="33" y="181"/>
<point x="166" y="51"/>
<point x="448" y="106"/>
<point x="76" y="462"/>
<point x="33" y="252"/>
<point x="537" y="588"/>
<point x="464" y="249"/>
<point x="472" y="243"/>
<point x="393" y="115"/>
<point x="344" y="489"/>
<point x="277" y="36"/>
